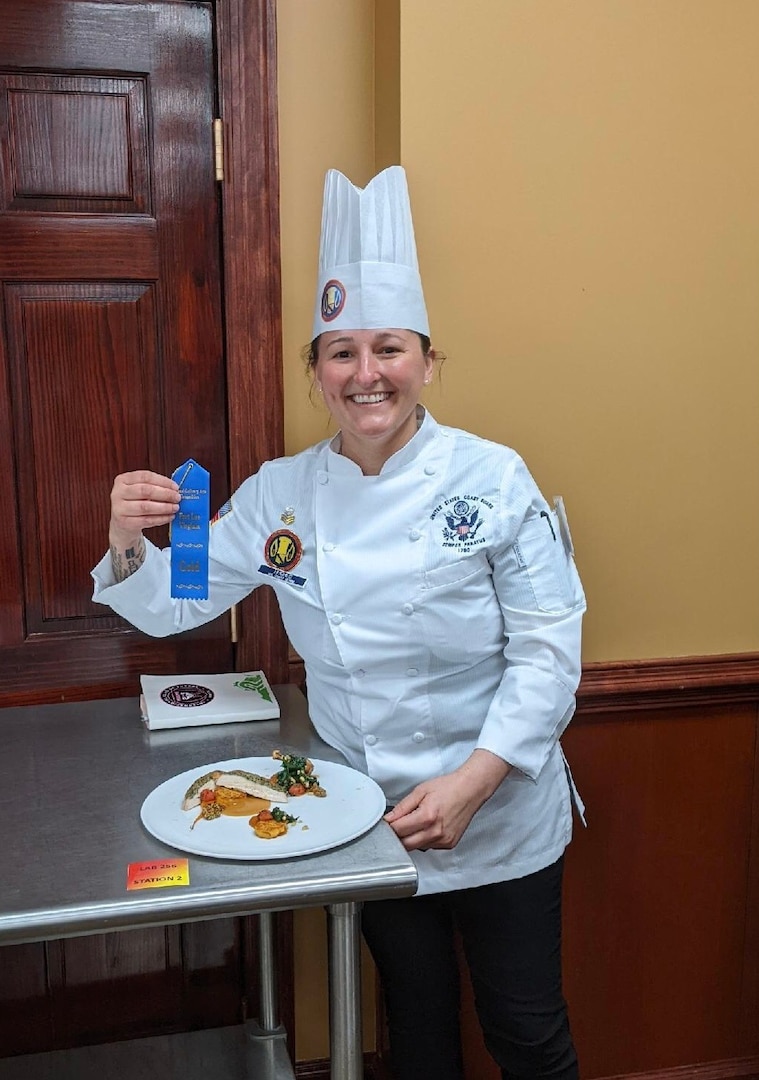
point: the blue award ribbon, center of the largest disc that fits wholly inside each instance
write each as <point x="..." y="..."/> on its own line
<point x="189" y="533"/>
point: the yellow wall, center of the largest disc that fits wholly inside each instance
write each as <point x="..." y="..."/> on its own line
<point x="326" y="118"/>
<point x="387" y="83"/>
<point x="583" y="177"/>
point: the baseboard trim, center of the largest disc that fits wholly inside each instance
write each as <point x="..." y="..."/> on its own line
<point x="319" y="1069"/>
<point x="746" y="1068"/>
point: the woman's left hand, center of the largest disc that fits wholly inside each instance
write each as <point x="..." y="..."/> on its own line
<point x="437" y="812"/>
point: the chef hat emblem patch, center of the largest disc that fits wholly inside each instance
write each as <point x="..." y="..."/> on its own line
<point x="283" y="550"/>
<point x="333" y="300"/>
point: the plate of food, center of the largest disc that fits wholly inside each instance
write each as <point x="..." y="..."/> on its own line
<point x="263" y="808"/>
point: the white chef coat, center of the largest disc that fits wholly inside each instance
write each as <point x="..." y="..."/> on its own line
<point x="437" y="609"/>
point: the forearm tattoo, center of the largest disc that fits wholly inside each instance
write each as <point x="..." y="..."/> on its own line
<point x="126" y="562"/>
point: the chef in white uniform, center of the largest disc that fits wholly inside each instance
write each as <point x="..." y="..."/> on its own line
<point x="432" y="593"/>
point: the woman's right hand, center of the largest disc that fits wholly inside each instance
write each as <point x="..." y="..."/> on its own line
<point x="140" y="500"/>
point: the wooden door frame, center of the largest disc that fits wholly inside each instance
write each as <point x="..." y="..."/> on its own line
<point x="246" y="35"/>
<point x="247" y="76"/>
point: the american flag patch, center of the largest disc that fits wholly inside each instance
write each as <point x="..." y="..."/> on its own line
<point x="222" y="512"/>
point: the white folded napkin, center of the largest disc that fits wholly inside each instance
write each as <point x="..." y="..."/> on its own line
<point x="171" y="701"/>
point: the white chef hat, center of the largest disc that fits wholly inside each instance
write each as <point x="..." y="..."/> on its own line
<point x="368" y="270"/>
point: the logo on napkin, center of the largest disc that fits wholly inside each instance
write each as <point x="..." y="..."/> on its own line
<point x="187" y="695"/>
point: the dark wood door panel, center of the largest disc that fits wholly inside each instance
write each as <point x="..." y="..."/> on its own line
<point x="25" y="1007"/>
<point x="84" y="366"/>
<point x="136" y="975"/>
<point x="43" y="247"/>
<point x="127" y="985"/>
<point x="51" y="124"/>
<point x="109" y="36"/>
<point x="72" y="667"/>
<point x="111" y="353"/>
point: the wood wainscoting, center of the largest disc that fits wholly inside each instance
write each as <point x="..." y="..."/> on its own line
<point x="661" y="916"/>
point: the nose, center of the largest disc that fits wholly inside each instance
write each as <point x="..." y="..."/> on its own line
<point x="368" y="369"/>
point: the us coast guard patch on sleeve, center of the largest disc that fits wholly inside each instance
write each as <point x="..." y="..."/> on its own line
<point x="283" y="551"/>
<point x="461" y="518"/>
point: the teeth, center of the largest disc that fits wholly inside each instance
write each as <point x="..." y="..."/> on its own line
<point x="370" y="399"/>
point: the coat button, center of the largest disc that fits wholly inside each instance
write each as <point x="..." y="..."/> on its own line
<point x="429" y="470"/>
<point x="360" y="673"/>
<point x="414" y="534"/>
<point x="371" y="740"/>
<point x="412" y="671"/>
<point x="408" y="609"/>
<point x="328" y="547"/>
<point x="336" y="619"/>
<point x="418" y="736"/>
<point x="323" y="478"/>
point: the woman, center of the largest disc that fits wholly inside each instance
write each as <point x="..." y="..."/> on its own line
<point x="437" y="610"/>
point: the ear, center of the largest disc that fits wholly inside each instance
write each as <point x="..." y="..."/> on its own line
<point x="429" y="366"/>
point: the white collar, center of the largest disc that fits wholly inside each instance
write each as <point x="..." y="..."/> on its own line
<point x="425" y="434"/>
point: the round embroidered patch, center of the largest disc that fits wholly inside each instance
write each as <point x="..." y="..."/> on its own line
<point x="333" y="300"/>
<point x="187" y="695"/>
<point x="283" y="550"/>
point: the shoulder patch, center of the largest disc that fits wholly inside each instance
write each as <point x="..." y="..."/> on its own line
<point x="222" y="512"/>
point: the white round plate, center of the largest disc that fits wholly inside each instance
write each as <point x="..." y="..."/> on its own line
<point x="353" y="804"/>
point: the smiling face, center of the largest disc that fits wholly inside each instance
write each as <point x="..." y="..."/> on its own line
<point x="371" y="381"/>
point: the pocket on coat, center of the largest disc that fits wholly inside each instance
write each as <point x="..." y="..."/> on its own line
<point x="459" y="570"/>
<point x="460" y="615"/>
<point x="541" y="556"/>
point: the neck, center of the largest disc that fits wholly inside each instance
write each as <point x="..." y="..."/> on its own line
<point x="371" y="454"/>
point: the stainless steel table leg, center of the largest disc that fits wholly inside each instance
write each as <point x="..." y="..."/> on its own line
<point x="344" y="940"/>
<point x="267" y="984"/>
<point x="266" y="1055"/>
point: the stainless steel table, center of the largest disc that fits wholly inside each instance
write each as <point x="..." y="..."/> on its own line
<point x="53" y="747"/>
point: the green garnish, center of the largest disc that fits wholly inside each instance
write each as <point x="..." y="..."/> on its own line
<point x="297" y="770"/>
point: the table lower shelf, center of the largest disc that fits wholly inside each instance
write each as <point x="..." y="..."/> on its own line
<point x="242" y="1052"/>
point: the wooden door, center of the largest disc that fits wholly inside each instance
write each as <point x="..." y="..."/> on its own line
<point x="111" y="331"/>
<point x="110" y="359"/>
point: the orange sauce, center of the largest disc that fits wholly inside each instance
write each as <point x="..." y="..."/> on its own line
<point x="246" y="806"/>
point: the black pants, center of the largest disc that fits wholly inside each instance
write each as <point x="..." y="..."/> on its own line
<point x="511" y="933"/>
